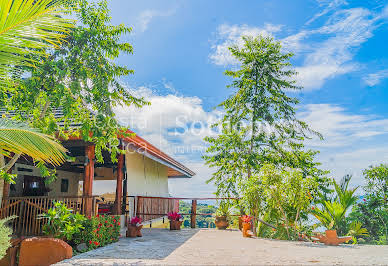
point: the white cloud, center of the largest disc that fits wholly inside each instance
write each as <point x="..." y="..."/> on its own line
<point x="330" y="5"/>
<point x="327" y="51"/>
<point x="145" y="18"/>
<point x="375" y="78"/>
<point x="176" y="124"/>
<point x="228" y="35"/>
<point x="340" y="128"/>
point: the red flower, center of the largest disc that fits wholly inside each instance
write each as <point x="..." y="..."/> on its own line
<point x="106" y="222"/>
<point x="174" y="216"/>
<point x="97" y="215"/>
<point x="98" y="229"/>
<point x="90" y="242"/>
<point x="96" y="243"/>
<point x="118" y="223"/>
<point x="312" y="207"/>
<point x="134" y="221"/>
<point x="114" y="220"/>
<point x="99" y="225"/>
<point x="246" y="218"/>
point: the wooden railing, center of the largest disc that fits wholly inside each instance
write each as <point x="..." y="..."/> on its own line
<point x="28" y="209"/>
<point x="149" y="208"/>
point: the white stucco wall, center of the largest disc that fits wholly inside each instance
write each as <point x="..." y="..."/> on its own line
<point x="146" y="177"/>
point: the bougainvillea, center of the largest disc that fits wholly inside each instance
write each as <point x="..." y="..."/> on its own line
<point x="99" y="231"/>
<point x="174" y="216"/>
<point x="246" y="218"/>
<point x="135" y="221"/>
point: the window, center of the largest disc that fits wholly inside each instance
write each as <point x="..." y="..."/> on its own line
<point x="64" y="185"/>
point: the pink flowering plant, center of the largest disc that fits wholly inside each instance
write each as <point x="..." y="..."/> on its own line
<point x="136" y="221"/>
<point x="174" y="216"/>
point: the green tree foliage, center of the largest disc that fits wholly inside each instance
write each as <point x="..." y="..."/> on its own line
<point x="62" y="222"/>
<point x="5" y="236"/>
<point x="80" y="81"/>
<point x="202" y="221"/>
<point x="372" y="211"/>
<point x="259" y="125"/>
<point x="281" y="197"/>
<point x="27" y="27"/>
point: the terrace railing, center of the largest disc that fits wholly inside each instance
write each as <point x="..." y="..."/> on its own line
<point x="149" y="208"/>
<point x="28" y="209"/>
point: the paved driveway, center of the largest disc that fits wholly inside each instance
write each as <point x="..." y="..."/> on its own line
<point x="199" y="247"/>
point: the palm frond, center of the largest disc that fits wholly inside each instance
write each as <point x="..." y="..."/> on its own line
<point x="26" y="28"/>
<point x="18" y="138"/>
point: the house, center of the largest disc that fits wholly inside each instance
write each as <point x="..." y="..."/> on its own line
<point x="143" y="170"/>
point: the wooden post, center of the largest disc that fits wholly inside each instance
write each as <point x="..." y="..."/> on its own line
<point x="88" y="180"/>
<point x="119" y="185"/>
<point x="193" y="213"/>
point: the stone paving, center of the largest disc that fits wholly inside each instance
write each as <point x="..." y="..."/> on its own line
<point x="210" y="247"/>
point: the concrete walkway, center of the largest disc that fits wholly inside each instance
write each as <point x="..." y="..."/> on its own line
<point x="199" y="247"/>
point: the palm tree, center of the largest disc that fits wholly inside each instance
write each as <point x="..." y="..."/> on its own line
<point x="18" y="138"/>
<point x="27" y="27"/>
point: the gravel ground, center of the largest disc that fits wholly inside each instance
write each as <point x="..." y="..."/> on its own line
<point x="200" y="247"/>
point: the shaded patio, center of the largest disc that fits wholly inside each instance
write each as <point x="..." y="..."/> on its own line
<point x="209" y="246"/>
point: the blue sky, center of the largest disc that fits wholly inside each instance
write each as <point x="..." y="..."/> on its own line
<point x="180" y="54"/>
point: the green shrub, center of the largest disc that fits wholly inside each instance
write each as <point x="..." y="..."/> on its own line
<point x="5" y="236"/>
<point x="99" y="231"/>
<point x="62" y="222"/>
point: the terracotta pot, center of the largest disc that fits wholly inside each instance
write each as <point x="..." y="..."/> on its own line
<point x="331" y="234"/>
<point x="175" y="225"/>
<point x="221" y="222"/>
<point x="246" y="229"/>
<point x="134" y="231"/>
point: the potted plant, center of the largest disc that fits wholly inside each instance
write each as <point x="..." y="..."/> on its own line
<point x="222" y="216"/>
<point x="246" y="225"/>
<point x="175" y="220"/>
<point x="134" y="227"/>
<point x="330" y="217"/>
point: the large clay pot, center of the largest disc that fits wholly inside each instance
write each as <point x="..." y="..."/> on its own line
<point x="331" y="234"/>
<point x="221" y="222"/>
<point x="134" y="231"/>
<point x="246" y="229"/>
<point x="175" y="225"/>
<point x="43" y="251"/>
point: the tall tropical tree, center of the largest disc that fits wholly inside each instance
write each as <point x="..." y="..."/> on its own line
<point x="27" y="27"/>
<point x="259" y="125"/>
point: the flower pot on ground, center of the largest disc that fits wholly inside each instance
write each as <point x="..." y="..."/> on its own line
<point x="246" y="226"/>
<point x="175" y="225"/>
<point x="221" y="222"/>
<point x="134" y="227"/>
<point x="175" y="220"/>
<point x="222" y="215"/>
<point x="331" y="238"/>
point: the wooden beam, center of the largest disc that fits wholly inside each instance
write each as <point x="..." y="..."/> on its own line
<point x="193" y="213"/>
<point x="88" y="179"/>
<point x="119" y="184"/>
